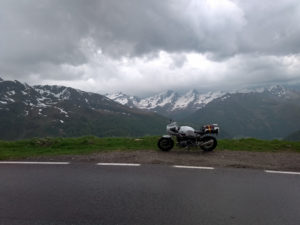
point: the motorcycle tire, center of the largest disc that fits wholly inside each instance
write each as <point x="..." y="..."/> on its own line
<point x="211" y="145"/>
<point x="165" y="144"/>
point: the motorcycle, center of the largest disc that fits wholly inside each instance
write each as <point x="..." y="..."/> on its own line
<point x="187" y="137"/>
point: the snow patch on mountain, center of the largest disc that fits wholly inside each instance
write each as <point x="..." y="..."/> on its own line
<point x="160" y="100"/>
<point x="35" y="99"/>
<point x="277" y="90"/>
<point x="210" y="96"/>
<point x="58" y="92"/>
<point x="123" y="99"/>
<point x="11" y="92"/>
<point x="185" y="100"/>
<point x="192" y="100"/>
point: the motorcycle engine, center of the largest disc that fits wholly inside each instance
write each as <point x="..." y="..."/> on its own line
<point x="183" y="144"/>
<point x="186" y="142"/>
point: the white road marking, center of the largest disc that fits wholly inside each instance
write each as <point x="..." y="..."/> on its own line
<point x="194" y="167"/>
<point x="44" y="163"/>
<point x="282" y="172"/>
<point x="118" y="164"/>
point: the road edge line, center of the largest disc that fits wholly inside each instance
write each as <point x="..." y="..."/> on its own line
<point x="282" y="172"/>
<point x="34" y="163"/>
<point x="194" y="167"/>
<point x="118" y="164"/>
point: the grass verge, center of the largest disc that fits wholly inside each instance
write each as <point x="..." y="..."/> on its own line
<point x="251" y="144"/>
<point x="71" y="146"/>
<point x="90" y="144"/>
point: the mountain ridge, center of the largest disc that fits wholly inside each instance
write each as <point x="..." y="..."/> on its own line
<point x="50" y="110"/>
<point x="265" y="115"/>
<point x="170" y="103"/>
<point x="44" y="110"/>
<point x="264" y="112"/>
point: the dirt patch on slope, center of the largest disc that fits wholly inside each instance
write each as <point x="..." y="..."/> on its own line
<point x="224" y="158"/>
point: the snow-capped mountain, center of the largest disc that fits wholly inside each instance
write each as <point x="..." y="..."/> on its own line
<point x="124" y="99"/>
<point x="268" y="113"/>
<point x="172" y="103"/>
<point x="167" y="102"/>
<point x="38" y="111"/>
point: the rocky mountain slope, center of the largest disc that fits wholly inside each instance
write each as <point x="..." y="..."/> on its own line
<point x="39" y="111"/>
<point x="266" y="112"/>
<point x="272" y="113"/>
<point x="168" y="103"/>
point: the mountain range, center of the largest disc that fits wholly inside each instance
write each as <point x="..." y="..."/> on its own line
<point x="168" y="103"/>
<point x="42" y="110"/>
<point x="171" y="103"/>
<point x="264" y="112"/>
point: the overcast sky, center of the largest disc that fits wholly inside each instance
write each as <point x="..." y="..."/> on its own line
<point x="142" y="47"/>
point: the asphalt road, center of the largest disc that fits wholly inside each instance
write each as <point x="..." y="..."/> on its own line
<point x="148" y="194"/>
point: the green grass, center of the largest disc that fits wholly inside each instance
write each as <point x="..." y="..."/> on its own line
<point x="90" y="144"/>
<point x="251" y="144"/>
<point x="68" y="146"/>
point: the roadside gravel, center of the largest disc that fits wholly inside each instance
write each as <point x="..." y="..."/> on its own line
<point x="224" y="158"/>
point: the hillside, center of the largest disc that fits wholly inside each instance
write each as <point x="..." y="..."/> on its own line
<point x="295" y="136"/>
<point x="263" y="112"/>
<point x="39" y="111"/>
<point x="261" y="115"/>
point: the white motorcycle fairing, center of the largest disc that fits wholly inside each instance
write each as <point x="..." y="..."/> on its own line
<point x="187" y="131"/>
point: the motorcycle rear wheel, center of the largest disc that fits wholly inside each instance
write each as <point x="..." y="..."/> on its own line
<point x="211" y="143"/>
<point x="165" y="144"/>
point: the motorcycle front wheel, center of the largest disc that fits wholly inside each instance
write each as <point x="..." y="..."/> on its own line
<point x="165" y="144"/>
<point x="209" y="143"/>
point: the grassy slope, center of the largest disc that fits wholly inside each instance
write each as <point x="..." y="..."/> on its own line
<point x="90" y="144"/>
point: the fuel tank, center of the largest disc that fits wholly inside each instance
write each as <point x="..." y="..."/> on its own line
<point x="187" y="131"/>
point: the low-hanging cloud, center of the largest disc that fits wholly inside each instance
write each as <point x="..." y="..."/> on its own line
<point x="115" y="45"/>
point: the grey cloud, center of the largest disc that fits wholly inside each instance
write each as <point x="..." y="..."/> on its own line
<point x="178" y="61"/>
<point x="51" y="30"/>
<point x="34" y="33"/>
<point x="271" y="27"/>
<point x="39" y="37"/>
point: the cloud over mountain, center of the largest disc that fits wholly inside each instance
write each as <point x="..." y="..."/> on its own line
<point x="149" y="46"/>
